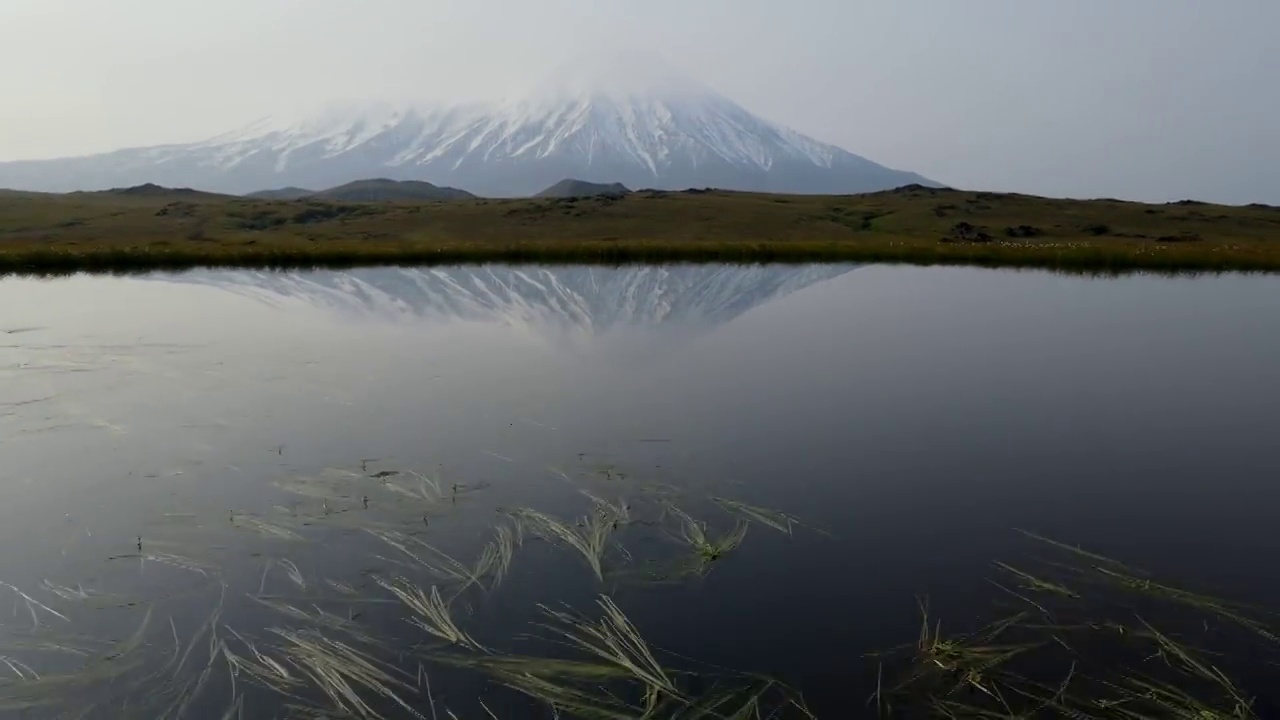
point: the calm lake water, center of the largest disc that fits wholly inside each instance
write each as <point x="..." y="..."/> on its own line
<point x="186" y="457"/>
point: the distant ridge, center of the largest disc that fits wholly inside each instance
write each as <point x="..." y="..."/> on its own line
<point x="581" y="188"/>
<point x="284" y="193"/>
<point x="385" y="190"/>
<point x="151" y="190"/>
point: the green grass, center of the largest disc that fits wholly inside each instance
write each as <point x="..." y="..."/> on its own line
<point x="707" y="546"/>
<point x="110" y="232"/>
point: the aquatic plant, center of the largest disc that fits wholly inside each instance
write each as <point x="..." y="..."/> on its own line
<point x="265" y="528"/>
<point x="426" y="556"/>
<point x="779" y="521"/>
<point x="341" y="671"/>
<point x="589" y="536"/>
<point x="33" y="605"/>
<point x="708" y="548"/>
<point x="614" y="639"/>
<point x="259" y="666"/>
<point x="1087" y="636"/>
<point x="431" y="612"/>
<point x="618" y="512"/>
<point x="34" y="690"/>
<point x="495" y="558"/>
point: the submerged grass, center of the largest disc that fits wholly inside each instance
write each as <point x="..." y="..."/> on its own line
<point x="615" y="640"/>
<point x="265" y="528"/>
<point x="779" y="521"/>
<point x="424" y="555"/>
<point x="589" y="536"/>
<point x="1102" y="656"/>
<point x="1089" y="636"/>
<point x="431" y="613"/>
<point x="318" y="617"/>
<point x="341" y="672"/>
<point x="322" y="660"/>
<point x="34" y="690"/>
<point x="707" y="547"/>
<point x="35" y="607"/>
<point x="495" y="558"/>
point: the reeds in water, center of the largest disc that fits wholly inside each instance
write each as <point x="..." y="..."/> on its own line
<point x="615" y="640"/>
<point x="779" y="521"/>
<point x="424" y="555"/>
<point x="258" y="666"/>
<point x="320" y="618"/>
<point x="110" y="668"/>
<point x="431" y="612"/>
<point x="265" y="528"/>
<point x="342" y="672"/>
<point x="495" y="558"/>
<point x="416" y="487"/>
<point x="618" y="512"/>
<point x="708" y="547"/>
<point x="34" y="606"/>
<point x="589" y="536"/>
<point x="1111" y="661"/>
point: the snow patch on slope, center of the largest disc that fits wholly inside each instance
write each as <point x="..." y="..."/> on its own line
<point x="633" y="107"/>
<point x="631" y="121"/>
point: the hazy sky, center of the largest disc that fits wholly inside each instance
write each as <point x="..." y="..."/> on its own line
<point x="1143" y="99"/>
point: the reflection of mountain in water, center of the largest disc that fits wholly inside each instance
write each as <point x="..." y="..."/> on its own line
<point x="586" y="299"/>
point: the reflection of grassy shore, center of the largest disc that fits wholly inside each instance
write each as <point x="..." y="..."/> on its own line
<point x="1071" y="635"/>
<point x="173" y="229"/>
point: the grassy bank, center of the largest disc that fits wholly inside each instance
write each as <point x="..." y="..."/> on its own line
<point x="177" y="229"/>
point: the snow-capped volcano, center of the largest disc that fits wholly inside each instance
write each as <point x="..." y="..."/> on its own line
<point x="635" y="122"/>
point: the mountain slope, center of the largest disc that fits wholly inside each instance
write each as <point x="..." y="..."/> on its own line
<point x="655" y="130"/>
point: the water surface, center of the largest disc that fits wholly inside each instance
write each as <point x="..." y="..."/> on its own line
<point x="911" y="418"/>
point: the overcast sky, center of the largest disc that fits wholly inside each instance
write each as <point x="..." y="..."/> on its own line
<point x="1142" y="99"/>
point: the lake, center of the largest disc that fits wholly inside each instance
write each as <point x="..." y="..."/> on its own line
<point x="638" y="489"/>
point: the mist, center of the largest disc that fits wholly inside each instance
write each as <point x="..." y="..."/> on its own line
<point x="1148" y="99"/>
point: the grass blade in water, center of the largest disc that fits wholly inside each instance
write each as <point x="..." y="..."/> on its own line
<point x="614" y="639"/>
<point x="779" y="521"/>
<point x="590" y="537"/>
<point x="432" y="612"/>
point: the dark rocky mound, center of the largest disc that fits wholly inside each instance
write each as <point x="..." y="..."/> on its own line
<point x="963" y="232"/>
<point x="581" y="188"/>
<point x="918" y="188"/>
<point x="384" y="190"/>
<point x="153" y="190"/>
<point x="285" y="193"/>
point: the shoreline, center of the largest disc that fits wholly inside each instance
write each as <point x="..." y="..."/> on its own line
<point x="1088" y="260"/>
<point x="173" y="230"/>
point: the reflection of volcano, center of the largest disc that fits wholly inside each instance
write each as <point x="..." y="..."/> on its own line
<point x="586" y="299"/>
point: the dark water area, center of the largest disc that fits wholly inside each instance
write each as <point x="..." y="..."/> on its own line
<point x="176" y="449"/>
